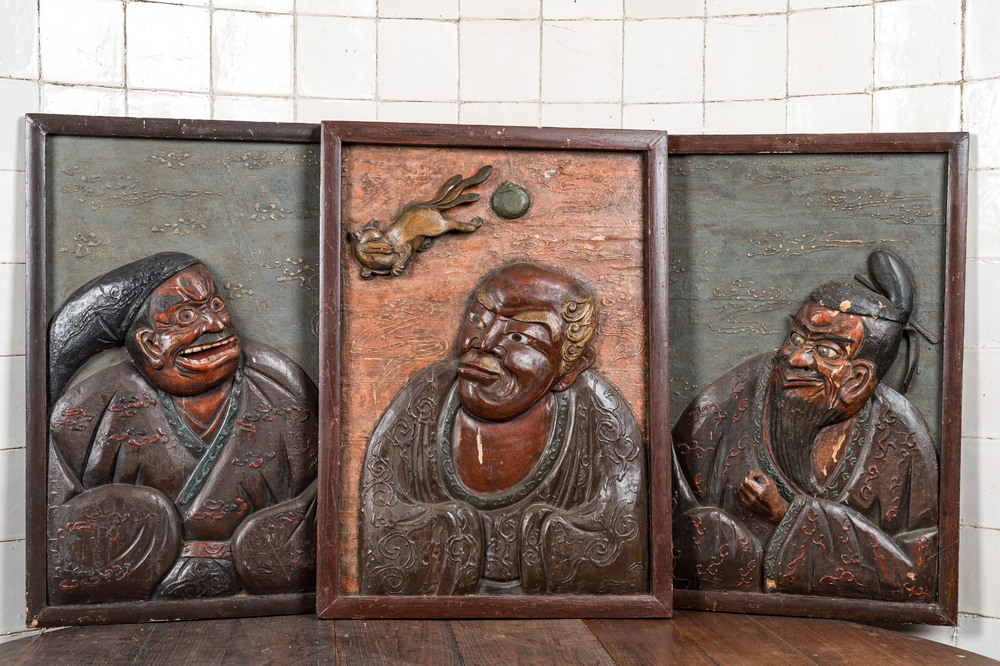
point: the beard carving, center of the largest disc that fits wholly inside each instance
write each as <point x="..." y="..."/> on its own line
<point x="793" y="424"/>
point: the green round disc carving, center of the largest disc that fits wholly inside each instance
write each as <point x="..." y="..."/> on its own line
<point x="510" y="201"/>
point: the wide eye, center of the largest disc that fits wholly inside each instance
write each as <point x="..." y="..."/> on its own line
<point x="186" y="315"/>
<point x="476" y="321"/>
<point x="517" y="337"/>
<point x="827" y="352"/>
<point x="796" y="339"/>
<point x="217" y="304"/>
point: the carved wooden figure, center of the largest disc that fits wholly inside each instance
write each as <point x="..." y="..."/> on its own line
<point x="413" y="229"/>
<point x="189" y="471"/>
<point x="513" y="468"/>
<point x="801" y="471"/>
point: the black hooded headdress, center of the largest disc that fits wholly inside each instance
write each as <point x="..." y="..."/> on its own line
<point x="885" y="301"/>
<point x="98" y="315"/>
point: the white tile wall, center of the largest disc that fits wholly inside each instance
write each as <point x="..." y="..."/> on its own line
<point x="765" y="117"/>
<point x="431" y="9"/>
<point x="582" y="115"/>
<point x="903" y="31"/>
<point x="501" y="9"/>
<point x="12" y="191"/>
<point x="686" y="66"/>
<point x="830" y="113"/>
<point x="90" y="100"/>
<point x="982" y="47"/>
<point x="980" y="485"/>
<point x="500" y="113"/>
<point x="830" y="51"/>
<point x="335" y="57"/>
<point x="11" y="406"/>
<point x="418" y="60"/>
<point x="745" y="58"/>
<point x="19" y="98"/>
<point x="659" y="9"/>
<point x="579" y="9"/>
<point x="157" y="104"/>
<point x="11" y="300"/>
<point x="417" y="112"/>
<point x="982" y="326"/>
<point x="252" y="53"/>
<point x="168" y="47"/>
<point x="500" y="61"/>
<point x="12" y="596"/>
<point x="12" y="493"/>
<point x="673" y="118"/>
<point x="664" y="60"/>
<point x="984" y="219"/>
<point x="336" y="7"/>
<point x="980" y="416"/>
<point x="273" y="6"/>
<point x="581" y="61"/>
<point x="19" y="39"/>
<point x="925" y="109"/>
<point x="979" y="595"/>
<point x="83" y="41"/>
<point x="236" y="107"/>
<point x="981" y="116"/>
<point x="731" y="7"/>
<point x="318" y="110"/>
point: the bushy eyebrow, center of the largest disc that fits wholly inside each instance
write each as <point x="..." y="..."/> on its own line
<point x="540" y="317"/>
<point x="485" y="300"/>
<point x="813" y="332"/>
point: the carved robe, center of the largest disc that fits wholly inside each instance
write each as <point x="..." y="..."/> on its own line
<point x="138" y="503"/>
<point x="576" y="524"/>
<point x="870" y="531"/>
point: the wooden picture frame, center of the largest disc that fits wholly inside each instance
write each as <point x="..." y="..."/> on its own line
<point x="757" y="222"/>
<point x="371" y="169"/>
<point x="86" y="172"/>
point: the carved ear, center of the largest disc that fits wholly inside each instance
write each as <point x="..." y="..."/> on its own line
<point x="353" y="235"/>
<point x="860" y="385"/>
<point x="149" y="347"/>
<point x="586" y="360"/>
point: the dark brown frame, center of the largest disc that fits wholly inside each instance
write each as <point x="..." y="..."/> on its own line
<point x="330" y="602"/>
<point x="955" y="145"/>
<point x="38" y="128"/>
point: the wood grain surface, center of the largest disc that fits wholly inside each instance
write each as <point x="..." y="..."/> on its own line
<point x="692" y="637"/>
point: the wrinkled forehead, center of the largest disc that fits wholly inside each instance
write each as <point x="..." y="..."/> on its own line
<point x="819" y="320"/>
<point x="524" y="288"/>
<point x="194" y="283"/>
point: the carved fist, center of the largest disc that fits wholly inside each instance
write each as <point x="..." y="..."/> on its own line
<point x="759" y="493"/>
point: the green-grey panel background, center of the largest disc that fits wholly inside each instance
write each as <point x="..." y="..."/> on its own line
<point x="249" y="211"/>
<point x="752" y="235"/>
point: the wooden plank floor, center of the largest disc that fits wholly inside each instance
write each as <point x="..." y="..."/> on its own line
<point x="690" y="638"/>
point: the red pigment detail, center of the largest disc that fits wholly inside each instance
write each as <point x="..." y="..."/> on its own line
<point x="894" y="506"/>
<point x="794" y="564"/>
<point x="249" y="426"/>
<point x="696" y="523"/>
<point x="867" y="490"/>
<point x="740" y="408"/>
<point x="811" y="516"/>
<point x="843" y="575"/>
<point x="733" y="453"/>
<point x="745" y="574"/>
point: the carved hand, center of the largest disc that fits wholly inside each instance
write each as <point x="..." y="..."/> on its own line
<point x="759" y="493"/>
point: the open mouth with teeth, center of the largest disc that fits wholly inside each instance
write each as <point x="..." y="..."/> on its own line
<point x="211" y="352"/>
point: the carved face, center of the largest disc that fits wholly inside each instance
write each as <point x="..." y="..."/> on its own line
<point x="192" y="345"/>
<point x="510" y="344"/>
<point x="372" y="250"/>
<point x="817" y="361"/>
